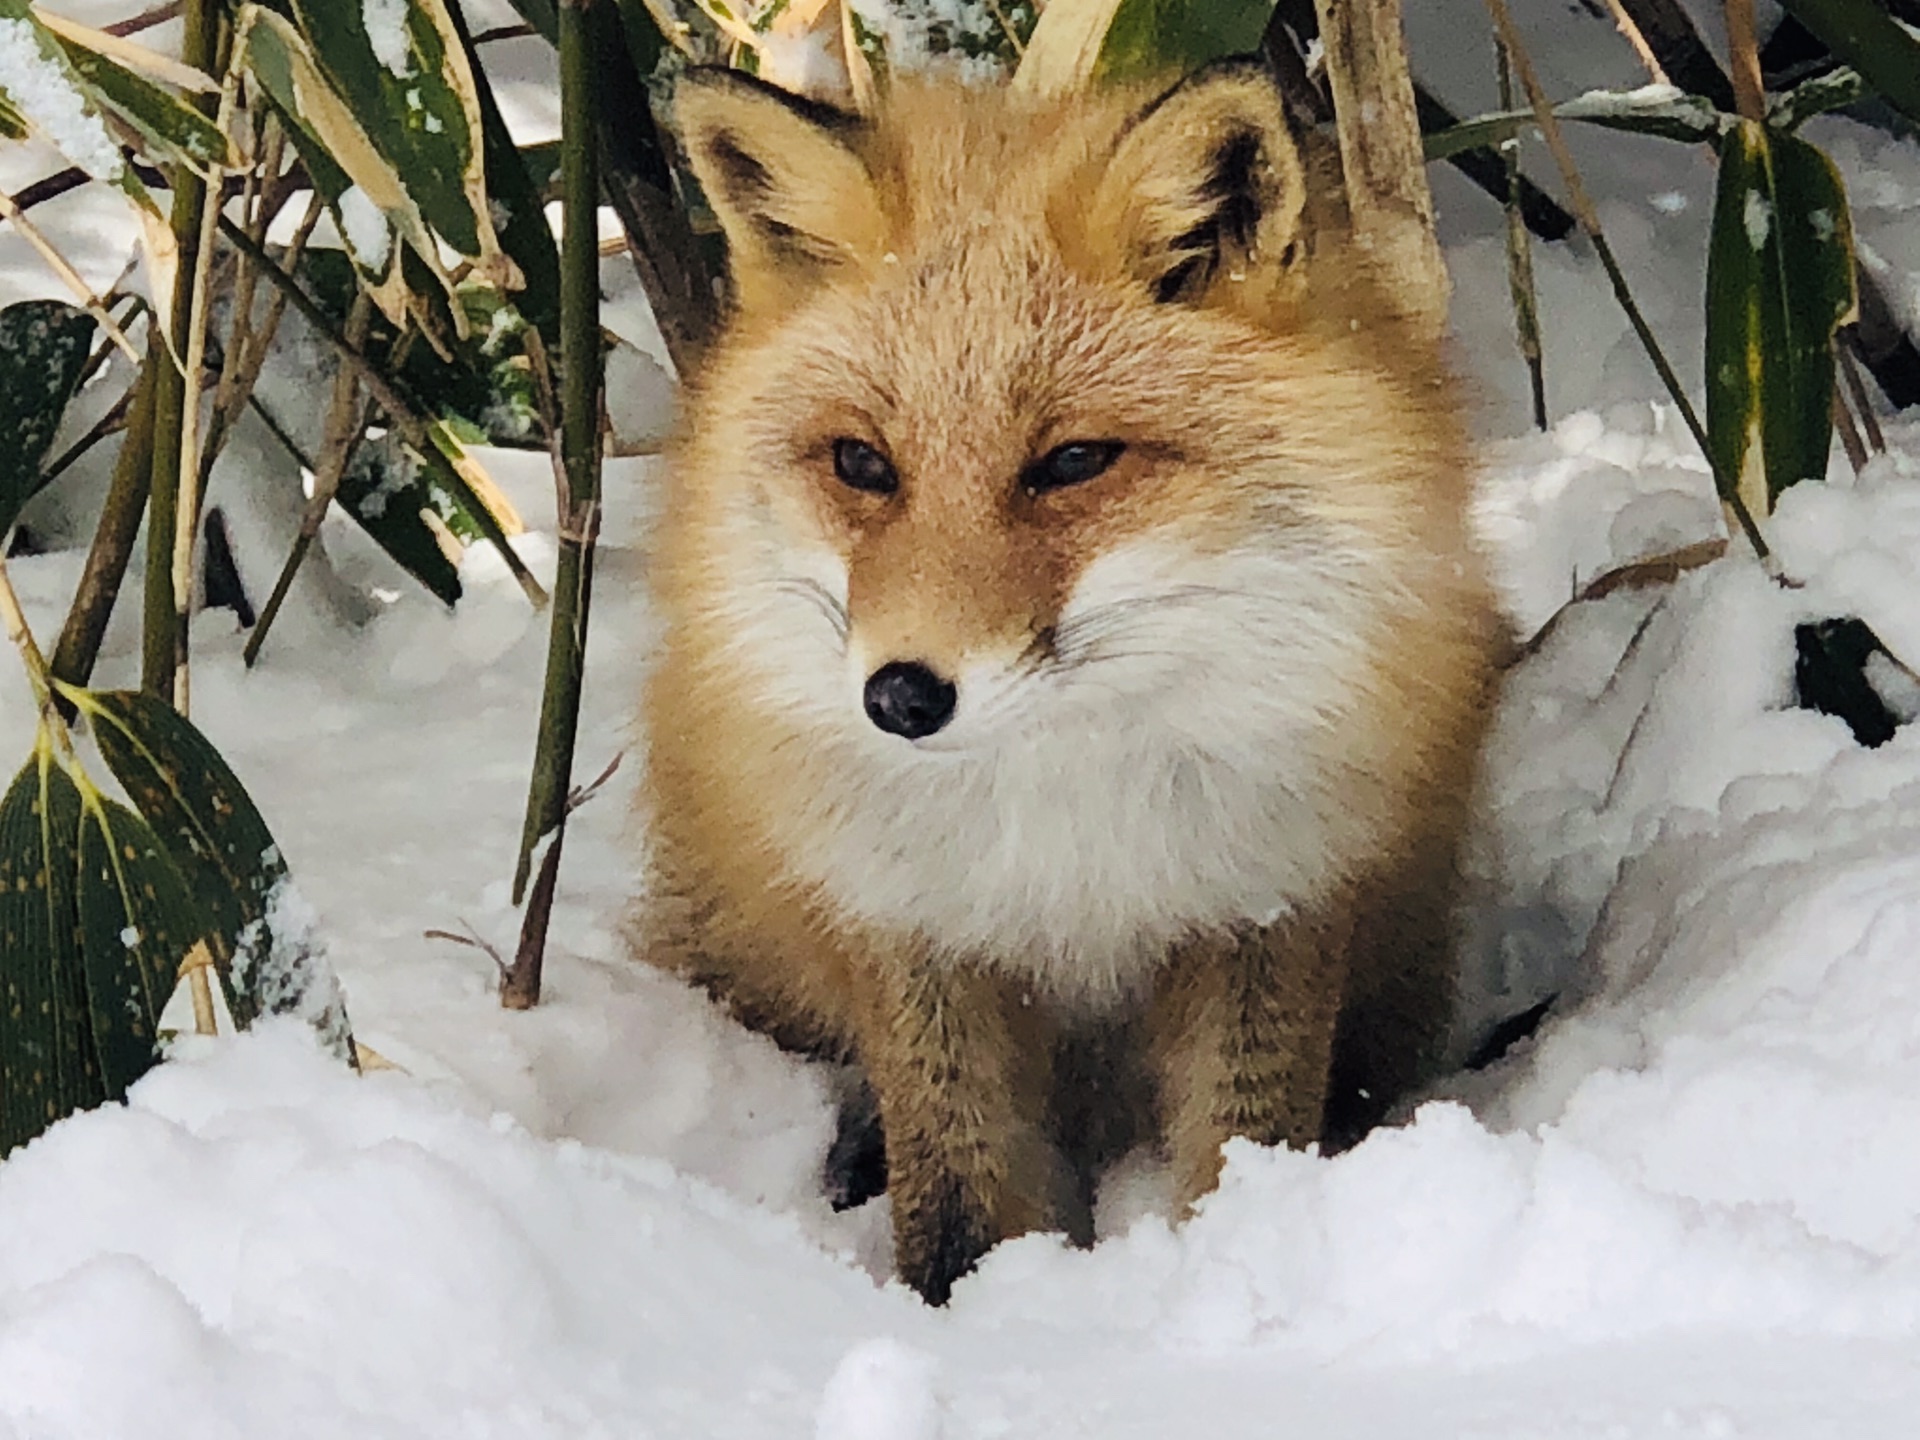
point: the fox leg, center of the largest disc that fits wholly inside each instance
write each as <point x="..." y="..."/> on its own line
<point x="962" y="1105"/>
<point x="1242" y="1030"/>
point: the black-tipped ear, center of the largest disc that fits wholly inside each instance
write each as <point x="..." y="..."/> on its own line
<point x="791" y="192"/>
<point x="1207" y="186"/>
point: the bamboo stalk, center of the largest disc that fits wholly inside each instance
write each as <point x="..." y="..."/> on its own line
<point x="162" y="651"/>
<point x="113" y="540"/>
<point x="1388" y="200"/>
<point x="579" y="505"/>
<point x="186" y="528"/>
<point x="1743" y="50"/>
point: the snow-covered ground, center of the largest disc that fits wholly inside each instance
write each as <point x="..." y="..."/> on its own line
<point x="1690" y="1208"/>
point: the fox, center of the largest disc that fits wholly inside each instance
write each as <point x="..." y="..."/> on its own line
<point x="1073" y="652"/>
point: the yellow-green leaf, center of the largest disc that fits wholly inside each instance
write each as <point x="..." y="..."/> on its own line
<point x="1779" y="283"/>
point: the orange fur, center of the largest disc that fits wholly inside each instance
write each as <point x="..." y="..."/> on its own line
<point x="1180" y="866"/>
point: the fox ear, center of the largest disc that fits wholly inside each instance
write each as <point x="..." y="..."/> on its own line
<point x="1207" y="185"/>
<point x="792" y="195"/>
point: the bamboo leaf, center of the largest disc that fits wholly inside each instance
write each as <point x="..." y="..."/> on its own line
<point x="1865" y="36"/>
<point x="55" y="101"/>
<point x="137" y="923"/>
<point x="406" y="79"/>
<point x="389" y="494"/>
<point x="1839" y="87"/>
<point x="43" y="351"/>
<point x="1152" y="37"/>
<point x="226" y="856"/>
<point x="170" y="127"/>
<point x="47" y="1064"/>
<point x="1779" y="283"/>
<point x="196" y="805"/>
<point x="1650" y="110"/>
<point x="371" y="199"/>
<point x="1064" y="49"/>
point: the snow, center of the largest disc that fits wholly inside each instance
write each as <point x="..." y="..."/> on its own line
<point x="41" y="91"/>
<point x="365" y="229"/>
<point x="385" y="22"/>
<point x="1689" y="1207"/>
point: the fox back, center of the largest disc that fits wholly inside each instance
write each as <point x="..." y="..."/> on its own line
<point x="1063" y="562"/>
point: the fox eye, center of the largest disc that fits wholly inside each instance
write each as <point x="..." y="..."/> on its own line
<point x="1071" y="464"/>
<point x="864" y="468"/>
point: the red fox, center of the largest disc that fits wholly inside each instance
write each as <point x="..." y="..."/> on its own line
<point x="1074" y="657"/>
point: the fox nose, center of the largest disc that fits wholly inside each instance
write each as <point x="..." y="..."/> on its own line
<point x="906" y="698"/>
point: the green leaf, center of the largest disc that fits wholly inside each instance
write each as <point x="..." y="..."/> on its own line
<point x="1838" y="87"/>
<point x="224" y="853"/>
<point x="388" y="492"/>
<point x="1779" y="283"/>
<point x="1151" y="37"/>
<point x="171" y="127"/>
<point x="411" y="89"/>
<point x="645" y="43"/>
<point x="1865" y="36"/>
<point x="525" y="235"/>
<point x="43" y="350"/>
<point x="197" y="806"/>
<point x="1651" y="110"/>
<point x="47" y="1064"/>
<point x="345" y="156"/>
<point x="137" y="924"/>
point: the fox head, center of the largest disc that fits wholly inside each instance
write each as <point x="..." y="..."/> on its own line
<point x="1041" y="421"/>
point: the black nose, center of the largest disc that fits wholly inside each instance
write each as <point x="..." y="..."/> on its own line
<point x="906" y="698"/>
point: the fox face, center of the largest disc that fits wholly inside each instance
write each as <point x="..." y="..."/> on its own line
<point x="1038" y="531"/>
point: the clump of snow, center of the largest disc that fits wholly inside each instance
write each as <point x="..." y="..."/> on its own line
<point x="281" y="960"/>
<point x="385" y="22"/>
<point x="363" y="225"/>
<point x="40" y="89"/>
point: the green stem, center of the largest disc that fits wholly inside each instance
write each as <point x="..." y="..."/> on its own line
<point x="113" y="541"/>
<point x="579" y="509"/>
<point x="163" y="649"/>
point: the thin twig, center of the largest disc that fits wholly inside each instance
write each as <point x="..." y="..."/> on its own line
<point x="1520" y="286"/>
<point x="69" y="277"/>
<point x="1006" y="28"/>
<point x="1743" y="51"/>
<point x="473" y="940"/>
<point x="145" y="20"/>
<point x="1862" y="401"/>
<point x="1849" y="435"/>
<point x="1590" y="222"/>
<point x="504" y="32"/>
<point x="345" y="424"/>
<point x="1628" y="27"/>
<point x="21" y="634"/>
